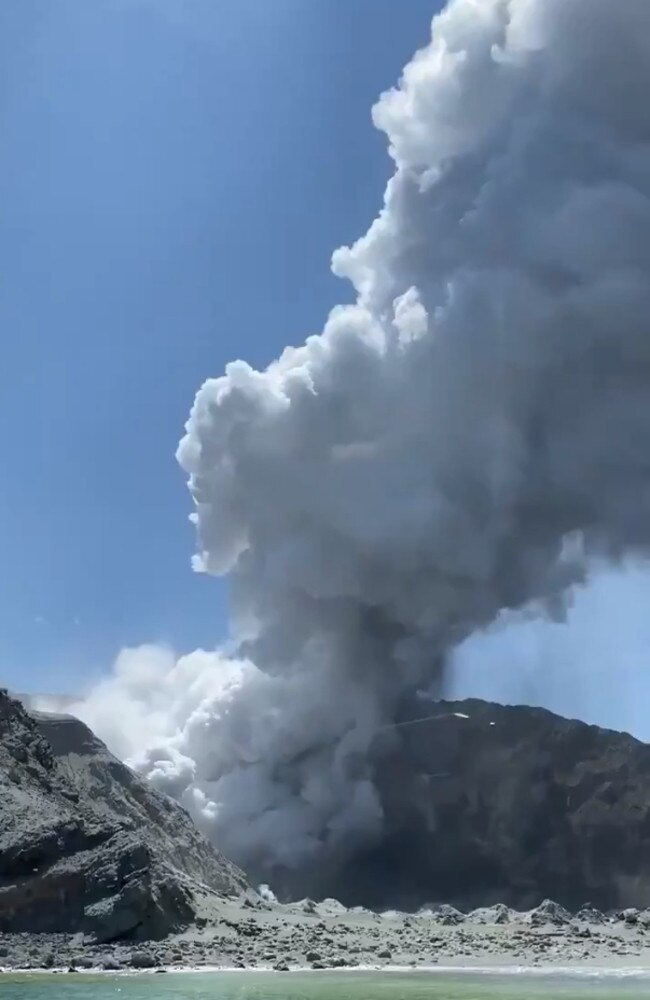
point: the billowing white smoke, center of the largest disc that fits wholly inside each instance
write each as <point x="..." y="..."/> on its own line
<point x="456" y="443"/>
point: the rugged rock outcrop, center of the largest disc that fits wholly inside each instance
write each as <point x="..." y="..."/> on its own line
<point x="86" y="845"/>
<point x="483" y="804"/>
<point x="486" y="804"/>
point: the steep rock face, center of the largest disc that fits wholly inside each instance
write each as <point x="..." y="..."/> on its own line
<point x="486" y="804"/>
<point x="86" y="845"/>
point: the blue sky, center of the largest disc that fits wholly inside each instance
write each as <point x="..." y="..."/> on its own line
<point x="175" y="175"/>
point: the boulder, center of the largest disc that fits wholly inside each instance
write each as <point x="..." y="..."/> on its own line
<point x="549" y="912"/>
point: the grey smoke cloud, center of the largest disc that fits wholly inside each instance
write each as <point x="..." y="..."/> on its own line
<point x="462" y="440"/>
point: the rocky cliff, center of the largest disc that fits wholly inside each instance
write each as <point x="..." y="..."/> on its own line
<point x="487" y="804"/>
<point x="483" y="804"/>
<point x="86" y="845"/>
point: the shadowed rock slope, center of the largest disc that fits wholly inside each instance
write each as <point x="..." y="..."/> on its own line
<point x="86" y="845"/>
<point x="486" y="804"/>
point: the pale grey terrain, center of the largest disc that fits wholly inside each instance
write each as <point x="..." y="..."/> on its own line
<point x="249" y="932"/>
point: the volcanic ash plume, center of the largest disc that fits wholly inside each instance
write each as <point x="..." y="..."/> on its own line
<point x="461" y="440"/>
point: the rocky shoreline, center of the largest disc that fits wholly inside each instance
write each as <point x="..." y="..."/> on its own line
<point x="100" y="872"/>
<point x="252" y="933"/>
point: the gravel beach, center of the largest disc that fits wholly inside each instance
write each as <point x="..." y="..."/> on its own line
<point x="251" y="933"/>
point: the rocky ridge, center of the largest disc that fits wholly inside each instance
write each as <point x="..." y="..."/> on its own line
<point x="487" y="804"/>
<point x="88" y="846"/>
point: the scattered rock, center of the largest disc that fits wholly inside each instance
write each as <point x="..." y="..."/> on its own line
<point x="549" y="912"/>
<point x="498" y="914"/>
<point x="111" y="965"/>
<point x="83" y="962"/>
<point x="590" y="915"/>
<point x="142" y="960"/>
<point x="445" y="914"/>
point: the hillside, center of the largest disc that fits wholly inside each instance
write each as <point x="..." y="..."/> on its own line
<point x="489" y="804"/>
<point x="86" y="845"/>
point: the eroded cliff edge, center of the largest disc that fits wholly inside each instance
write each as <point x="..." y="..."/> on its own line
<point x="483" y="804"/>
<point x="86" y="845"/>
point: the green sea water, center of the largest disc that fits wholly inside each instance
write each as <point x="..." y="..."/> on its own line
<point x="316" y="986"/>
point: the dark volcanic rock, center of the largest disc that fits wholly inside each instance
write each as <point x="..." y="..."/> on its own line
<point x="486" y="804"/>
<point x="549" y="912"/>
<point x="86" y="845"/>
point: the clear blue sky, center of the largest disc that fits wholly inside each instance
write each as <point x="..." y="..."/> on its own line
<point x="174" y="177"/>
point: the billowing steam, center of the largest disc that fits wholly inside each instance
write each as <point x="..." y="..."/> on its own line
<point x="462" y="440"/>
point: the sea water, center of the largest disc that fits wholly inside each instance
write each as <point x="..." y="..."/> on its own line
<point x="321" y="986"/>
